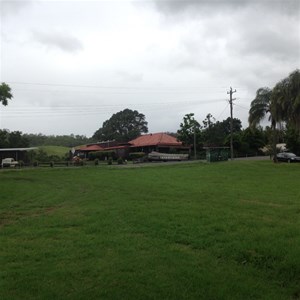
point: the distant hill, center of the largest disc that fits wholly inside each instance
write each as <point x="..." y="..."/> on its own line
<point x="55" y="150"/>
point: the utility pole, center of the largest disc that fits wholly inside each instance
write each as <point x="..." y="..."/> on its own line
<point x="231" y="121"/>
<point x="195" y="150"/>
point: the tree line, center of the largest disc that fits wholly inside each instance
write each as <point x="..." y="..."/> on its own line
<point x="281" y="105"/>
<point x="16" y="139"/>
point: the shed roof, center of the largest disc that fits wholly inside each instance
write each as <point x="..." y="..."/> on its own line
<point x="91" y="148"/>
<point x="155" y="139"/>
<point x="17" y="149"/>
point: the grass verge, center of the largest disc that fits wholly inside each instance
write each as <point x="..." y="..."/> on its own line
<point x="197" y="231"/>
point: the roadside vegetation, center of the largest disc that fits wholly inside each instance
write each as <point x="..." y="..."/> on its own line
<point x="187" y="231"/>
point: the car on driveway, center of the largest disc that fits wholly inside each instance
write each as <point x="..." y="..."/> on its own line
<point x="9" y="162"/>
<point x="288" y="157"/>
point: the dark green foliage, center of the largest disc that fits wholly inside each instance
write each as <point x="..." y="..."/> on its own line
<point x="217" y="133"/>
<point x="136" y="155"/>
<point x="123" y="126"/>
<point x="292" y="138"/>
<point x="13" y="139"/>
<point x="120" y="161"/>
<point x="56" y="140"/>
<point x="109" y="161"/>
<point x="5" y="93"/>
<point x="42" y="156"/>
<point x="188" y="128"/>
<point x="214" y="155"/>
<point x="281" y="104"/>
<point x="248" y="142"/>
<point x="96" y="162"/>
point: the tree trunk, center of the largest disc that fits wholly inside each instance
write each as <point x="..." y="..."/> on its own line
<point x="274" y="142"/>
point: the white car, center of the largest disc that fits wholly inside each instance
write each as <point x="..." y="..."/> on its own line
<point x="9" y="162"/>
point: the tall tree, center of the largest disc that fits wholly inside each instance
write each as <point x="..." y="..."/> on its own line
<point x="286" y="99"/>
<point x="5" y="93"/>
<point x="260" y="107"/>
<point x="122" y="126"/>
<point x="188" y="128"/>
<point x="14" y="139"/>
<point x="282" y="103"/>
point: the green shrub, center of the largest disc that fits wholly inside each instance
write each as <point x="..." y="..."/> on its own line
<point x="35" y="163"/>
<point x="120" y="161"/>
<point x="136" y="155"/>
<point x="96" y="162"/>
<point x="109" y="161"/>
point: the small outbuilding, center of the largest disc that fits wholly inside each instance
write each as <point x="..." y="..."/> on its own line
<point x="16" y="153"/>
<point x="214" y="154"/>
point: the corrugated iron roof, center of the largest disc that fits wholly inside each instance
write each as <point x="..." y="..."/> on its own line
<point x="155" y="139"/>
<point x="17" y="149"/>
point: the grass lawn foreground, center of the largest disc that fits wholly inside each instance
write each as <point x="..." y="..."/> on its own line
<point x="189" y="231"/>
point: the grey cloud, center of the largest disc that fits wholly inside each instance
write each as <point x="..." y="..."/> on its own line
<point x="12" y="7"/>
<point x="250" y="34"/>
<point x="181" y="7"/>
<point x="62" y="41"/>
<point x="267" y="36"/>
<point x="272" y="44"/>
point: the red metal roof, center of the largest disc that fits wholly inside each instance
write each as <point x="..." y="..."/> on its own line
<point x="155" y="139"/>
<point x="91" y="148"/>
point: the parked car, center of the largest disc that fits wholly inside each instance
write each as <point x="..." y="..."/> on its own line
<point x="9" y="162"/>
<point x="287" y="157"/>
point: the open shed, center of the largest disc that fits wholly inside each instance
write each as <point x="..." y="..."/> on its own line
<point x="15" y="153"/>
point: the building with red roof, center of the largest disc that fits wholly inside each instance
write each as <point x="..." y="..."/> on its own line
<point x="159" y="142"/>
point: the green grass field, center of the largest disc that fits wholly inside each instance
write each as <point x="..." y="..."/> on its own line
<point x="55" y="150"/>
<point x="188" y="231"/>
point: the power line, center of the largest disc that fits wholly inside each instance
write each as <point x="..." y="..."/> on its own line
<point x="112" y="87"/>
<point x="222" y="111"/>
<point x="244" y="107"/>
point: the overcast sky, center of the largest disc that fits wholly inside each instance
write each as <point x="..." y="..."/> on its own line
<point x="72" y="64"/>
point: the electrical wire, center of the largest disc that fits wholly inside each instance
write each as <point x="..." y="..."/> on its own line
<point x="222" y="111"/>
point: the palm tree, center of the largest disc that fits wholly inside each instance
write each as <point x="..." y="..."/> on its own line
<point x="262" y="106"/>
<point x="5" y="93"/>
<point x="293" y="100"/>
<point x="282" y="104"/>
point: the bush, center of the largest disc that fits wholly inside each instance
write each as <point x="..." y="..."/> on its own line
<point x="136" y="155"/>
<point x="120" y="161"/>
<point x="51" y="164"/>
<point x="96" y="162"/>
<point x="109" y="161"/>
<point x="35" y="163"/>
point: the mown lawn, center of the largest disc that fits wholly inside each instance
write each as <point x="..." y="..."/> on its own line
<point x="197" y="231"/>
